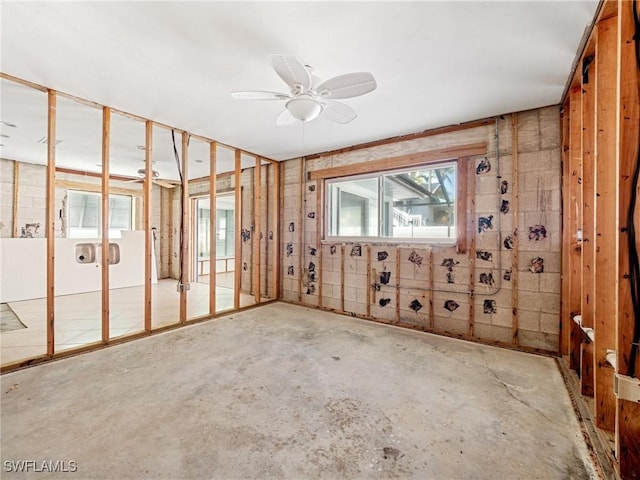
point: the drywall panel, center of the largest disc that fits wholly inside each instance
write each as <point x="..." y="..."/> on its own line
<point x="23" y="272"/>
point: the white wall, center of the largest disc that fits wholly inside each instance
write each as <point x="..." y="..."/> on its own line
<point x="23" y="267"/>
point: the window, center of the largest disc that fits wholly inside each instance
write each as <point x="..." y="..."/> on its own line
<point x="225" y="219"/>
<point x="416" y="203"/>
<point x="84" y="214"/>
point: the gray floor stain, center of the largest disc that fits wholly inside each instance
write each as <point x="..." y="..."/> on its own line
<point x="263" y="395"/>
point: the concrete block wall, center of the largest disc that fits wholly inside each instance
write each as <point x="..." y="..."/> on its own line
<point x="291" y="238"/>
<point x="434" y="290"/>
<point x="247" y="231"/>
<point x="31" y="197"/>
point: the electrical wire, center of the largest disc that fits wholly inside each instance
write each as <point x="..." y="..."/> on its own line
<point x="634" y="261"/>
<point x="182" y="206"/>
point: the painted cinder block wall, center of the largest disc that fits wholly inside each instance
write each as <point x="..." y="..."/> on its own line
<point x="31" y="197"/>
<point x="434" y="281"/>
<point x="247" y="232"/>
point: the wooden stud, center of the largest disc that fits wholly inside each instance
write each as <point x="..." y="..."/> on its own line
<point x="237" y="277"/>
<point x="461" y="210"/>
<point x="393" y="163"/>
<point x="565" y="314"/>
<point x="51" y="219"/>
<point x="606" y="248"/>
<point x="586" y="365"/>
<point x="628" y="143"/>
<point x="171" y="232"/>
<point x="397" y="284"/>
<point x="185" y="266"/>
<point x="213" y="150"/>
<point x="163" y="215"/>
<point x="342" y="251"/>
<point x="257" y="183"/>
<point x="514" y="209"/>
<point x="609" y="10"/>
<point x="319" y="233"/>
<point x="431" y="282"/>
<point x="605" y="9"/>
<point x="368" y="280"/>
<point x="588" y="293"/>
<point x="148" y="234"/>
<point x="106" y="136"/>
<point x="16" y="190"/>
<point x="301" y="229"/>
<point x="471" y="179"/>
<point x="267" y="228"/>
<point x="275" y="223"/>
<point x="573" y="224"/>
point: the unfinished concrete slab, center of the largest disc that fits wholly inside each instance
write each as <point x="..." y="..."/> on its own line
<point x="283" y="391"/>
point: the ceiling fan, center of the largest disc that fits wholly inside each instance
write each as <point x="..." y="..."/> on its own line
<point x="308" y="97"/>
<point x="154" y="178"/>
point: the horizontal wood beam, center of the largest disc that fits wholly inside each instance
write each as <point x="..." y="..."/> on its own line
<point x="409" y="160"/>
<point x="96" y="187"/>
<point x="94" y="174"/>
<point x="404" y="138"/>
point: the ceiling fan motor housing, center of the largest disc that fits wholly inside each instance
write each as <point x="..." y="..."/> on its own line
<point x="304" y="107"/>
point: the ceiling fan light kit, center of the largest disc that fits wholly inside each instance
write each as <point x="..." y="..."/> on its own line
<point x="309" y="98"/>
<point x="304" y="108"/>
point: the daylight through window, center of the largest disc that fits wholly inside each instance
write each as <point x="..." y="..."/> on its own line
<point x="84" y="214"/>
<point x="416" y="203"/>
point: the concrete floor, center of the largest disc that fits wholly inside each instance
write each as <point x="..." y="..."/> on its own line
<point x="283" y="391"/>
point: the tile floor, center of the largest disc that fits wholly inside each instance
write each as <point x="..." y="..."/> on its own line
<point x="78" y="317"/>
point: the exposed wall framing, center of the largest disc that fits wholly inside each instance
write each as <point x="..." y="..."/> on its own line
<point x="451" y="290"/>
<point x="51" y="220"/>
<point x="156" y="209"/>
<point x="602" y="114"/>
<point x="106" y="138"/>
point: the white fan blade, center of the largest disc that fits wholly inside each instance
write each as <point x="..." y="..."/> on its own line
<point x="291" y="71"/>
<point x="347" y="86"/>
<point x="285" y="118"/>
<point x="338" y="112"/>
<point x="258" y="95"/>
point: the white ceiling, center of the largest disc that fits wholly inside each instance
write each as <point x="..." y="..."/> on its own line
<point x="436" y="64"/>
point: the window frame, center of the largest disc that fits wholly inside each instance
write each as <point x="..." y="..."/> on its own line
<point x="76" y="191"/>
<point x="380" y="177"/>
<point x="465" y="180"/>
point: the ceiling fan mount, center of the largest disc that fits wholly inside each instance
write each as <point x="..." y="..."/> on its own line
<point x="155" y="177"/>
<point x="142" y="172"/>
<point x="309" y="97"/>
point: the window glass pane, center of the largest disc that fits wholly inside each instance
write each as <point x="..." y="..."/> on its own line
<point x="84" y="211"/>
<point x="353" y="206"/>
<point x="420" y="203"/>
<point x="203" y="228"/>
<point x="225" y="218"/>
<point x="412" y="203"/>
<point x="120" y="212"/>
